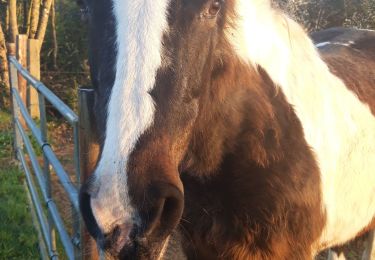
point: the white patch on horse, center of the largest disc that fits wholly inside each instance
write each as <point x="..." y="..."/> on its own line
<point x="367" y="30"/>
<point x="323" y="44"/>
<point x="140" y="25"/>
<point x="339" y="128"/>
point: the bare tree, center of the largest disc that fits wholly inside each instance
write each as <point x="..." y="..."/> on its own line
<point x="54" y="34"/>
<point x="33" y="15"/>
<point x="34" y="18"/>
<point x="6" y="29"/>
<point x="43" y="22"/>
<point x="25" y="15"/>
<point x="4" y="77"/>
<point x="13" y="23"/>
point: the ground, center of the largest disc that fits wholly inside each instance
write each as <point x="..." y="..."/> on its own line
<point x="18" y="237"/>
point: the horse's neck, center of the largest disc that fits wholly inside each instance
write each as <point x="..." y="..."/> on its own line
<point x="237" y="116"/>
<point x="266" y="37"/>
<point x="243" y="100"/>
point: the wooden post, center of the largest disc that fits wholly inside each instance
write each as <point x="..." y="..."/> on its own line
<point x="33" y="65"/>
<point x="21" y="51"/>
<point x="17" y="143"/>
<point x="89" y="151"/>
<point x="11" y="47"/>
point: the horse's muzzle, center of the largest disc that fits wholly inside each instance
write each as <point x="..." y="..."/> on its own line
<point x="157" y="215"/>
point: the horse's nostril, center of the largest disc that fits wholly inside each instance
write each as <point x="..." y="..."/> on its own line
<point x="171" y="211"/>
<point x="164" y="211"/>
<point x="117" y="239"/>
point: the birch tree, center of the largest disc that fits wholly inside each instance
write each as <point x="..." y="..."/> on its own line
<point x="54" y="34"/>
<point x="13" y="23"/>
<point x="34" y="18"/>
<point x="43" y="22"/>
<point x="4" y="77"/>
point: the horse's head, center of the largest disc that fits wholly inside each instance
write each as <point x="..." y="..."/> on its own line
<point x="151" y="63"/>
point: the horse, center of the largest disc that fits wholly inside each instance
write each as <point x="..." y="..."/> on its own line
<point x="223" y="122"/>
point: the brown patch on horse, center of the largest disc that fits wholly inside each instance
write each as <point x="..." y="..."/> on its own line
<point x="257" y="194"/>
<point x="353" y="64"/>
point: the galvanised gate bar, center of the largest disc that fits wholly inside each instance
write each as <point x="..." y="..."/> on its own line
<point x="45" y="210"/>
<point x="42" y="174"/>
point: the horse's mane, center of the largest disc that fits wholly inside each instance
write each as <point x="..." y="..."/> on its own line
<point x="265" y="36"/>
<point x="330" y="114"/>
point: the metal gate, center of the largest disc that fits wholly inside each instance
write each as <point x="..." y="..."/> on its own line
<point x="50" y="222"/>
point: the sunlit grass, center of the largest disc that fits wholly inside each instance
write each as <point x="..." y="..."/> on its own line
<point x="18" y="237"/>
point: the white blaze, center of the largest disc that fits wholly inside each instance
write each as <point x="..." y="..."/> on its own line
<point x="140" y="25"/>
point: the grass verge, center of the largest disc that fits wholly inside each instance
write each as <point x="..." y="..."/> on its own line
<point x="18" y="237"/>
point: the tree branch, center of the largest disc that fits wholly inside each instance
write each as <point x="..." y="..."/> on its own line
<point x="13" y="24"/>
<point x="4" y="77"/>
<point x="43" y="22"/>
<point x="34" y="18"/>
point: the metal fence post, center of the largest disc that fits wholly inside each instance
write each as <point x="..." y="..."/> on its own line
<point x="369" y="252"/>
<point x="46" y="169"/>
<point x="77" y="223"/>
<point x="89" y="150"/>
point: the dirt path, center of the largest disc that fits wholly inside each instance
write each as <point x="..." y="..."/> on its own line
<point x="63" y="146"/>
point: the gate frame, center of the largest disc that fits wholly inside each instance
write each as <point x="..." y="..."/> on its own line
<point x="23" y="83"/>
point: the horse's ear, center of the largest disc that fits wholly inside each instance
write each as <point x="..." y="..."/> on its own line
<point x="83" y="9"/>
<point x="81" y="4"/>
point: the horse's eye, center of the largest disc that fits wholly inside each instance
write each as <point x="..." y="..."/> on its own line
<point x="214" y="7"/>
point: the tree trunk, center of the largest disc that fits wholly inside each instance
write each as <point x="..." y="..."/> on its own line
<point x="54" y="36"/>
<point x="25" y="16"/>
<point x="6" y="29"/>
<point x="34" y="19"/>
<point x="13" y="24"/>
<point x="28" y="19"/>
<point x="4" y="76"/>
<point x="43" y="20"/>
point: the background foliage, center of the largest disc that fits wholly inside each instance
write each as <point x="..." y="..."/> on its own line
<point x="71" y="68"/>
<point x="71" y="38"/>
<point x="64" y="47"/>
<point x="320" y="14"/>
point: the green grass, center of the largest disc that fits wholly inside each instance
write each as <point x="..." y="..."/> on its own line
<point x="18" y="238"/>
<point x="5" y="136"/>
